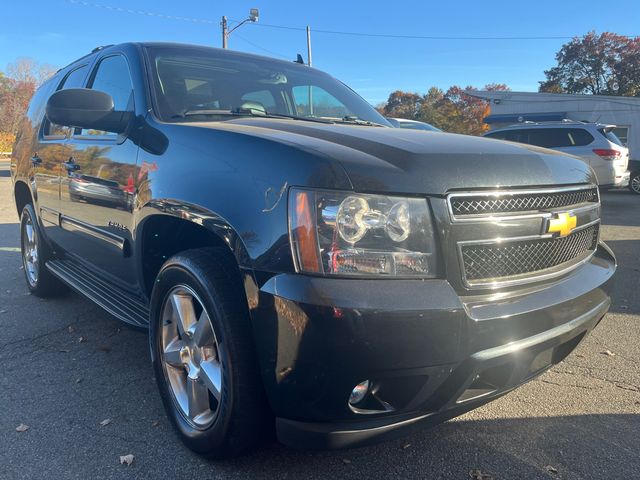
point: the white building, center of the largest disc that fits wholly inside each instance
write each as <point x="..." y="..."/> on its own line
<point x="508" y="108"/>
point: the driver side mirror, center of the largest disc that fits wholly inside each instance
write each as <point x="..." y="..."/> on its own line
<point x="86" y="108"/>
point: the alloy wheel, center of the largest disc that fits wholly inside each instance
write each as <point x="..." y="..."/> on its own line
<point x="30" y="251"/>
<point x="635" y="184"/>
<point x="190" y="357"/>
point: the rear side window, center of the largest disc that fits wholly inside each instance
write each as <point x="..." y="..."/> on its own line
<point x="74" y="79"/>
<point x="611" y="136"/>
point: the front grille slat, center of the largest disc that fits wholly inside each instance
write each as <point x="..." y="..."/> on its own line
<point x="495" y="262"/>
<point x="519" y="202"/>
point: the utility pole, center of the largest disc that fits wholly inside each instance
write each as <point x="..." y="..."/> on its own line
<point x="253" y="17"/>
<point x="309" y="63"/>
<point x="309" y="46"/>
<point x="225" y="33"/>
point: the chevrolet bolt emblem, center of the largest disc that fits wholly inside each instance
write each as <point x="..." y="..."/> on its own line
<point x="562" y="224"/>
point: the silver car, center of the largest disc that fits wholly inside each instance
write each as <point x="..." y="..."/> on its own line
<point x="595" y="143"/>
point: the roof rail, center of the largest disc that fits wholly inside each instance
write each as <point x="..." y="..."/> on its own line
<point x="566" y="121"/>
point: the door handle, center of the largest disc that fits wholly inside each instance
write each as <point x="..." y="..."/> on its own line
<point x="36" y="160"/>
<point x="71" y="165"/>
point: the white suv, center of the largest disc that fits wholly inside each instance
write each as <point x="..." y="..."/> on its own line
<point x="595" y="143"/>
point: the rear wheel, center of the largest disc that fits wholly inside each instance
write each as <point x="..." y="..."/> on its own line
<point x="203" y="355"/>
<point x="35" y="254"/>
<point x="634" y="183"/>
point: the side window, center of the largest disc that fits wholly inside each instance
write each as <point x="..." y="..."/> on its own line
<point x="74" y="79"/>
<point x="579" y="137"/>
<point x="317" y="102"/>
<point x="112" y="76"/>
<point x="497" y="135"/>
<point x="520" y="135"/>
<point x="550" y="137"/>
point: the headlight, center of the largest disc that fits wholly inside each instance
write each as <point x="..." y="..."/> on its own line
<point x="358" y="234"/>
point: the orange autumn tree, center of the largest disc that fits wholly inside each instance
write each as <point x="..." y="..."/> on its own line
<point x="452" y="111"/>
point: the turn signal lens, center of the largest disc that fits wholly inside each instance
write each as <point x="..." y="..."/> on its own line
<point x="305" y="233"/>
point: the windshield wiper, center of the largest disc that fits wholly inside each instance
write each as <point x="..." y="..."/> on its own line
<point x="247" y="112"/>
<point x="353" y="120"/>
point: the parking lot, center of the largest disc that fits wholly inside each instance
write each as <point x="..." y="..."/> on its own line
<point x="67" y="366"/>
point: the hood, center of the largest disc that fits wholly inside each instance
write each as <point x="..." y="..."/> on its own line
<point x="378" y="159"/>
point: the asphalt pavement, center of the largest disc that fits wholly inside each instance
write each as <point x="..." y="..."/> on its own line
<point x="66" y="366"/>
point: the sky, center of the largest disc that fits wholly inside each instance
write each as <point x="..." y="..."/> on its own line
<point x="59" y="31"/>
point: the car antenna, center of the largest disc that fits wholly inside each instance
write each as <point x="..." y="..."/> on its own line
<point x="299" y="60"/>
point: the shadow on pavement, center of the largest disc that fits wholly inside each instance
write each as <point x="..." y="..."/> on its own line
<point x="579" y="446"/>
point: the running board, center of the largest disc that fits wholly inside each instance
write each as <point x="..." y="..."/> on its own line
<point x="117" y="302"/>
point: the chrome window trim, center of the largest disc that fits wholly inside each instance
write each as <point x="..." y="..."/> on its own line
<point x="514" y="216"/>
<point x="523" y="278"/>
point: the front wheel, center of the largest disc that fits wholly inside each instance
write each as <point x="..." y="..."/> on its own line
<point x="203" y="354"/>
<point x="634" y="183"/>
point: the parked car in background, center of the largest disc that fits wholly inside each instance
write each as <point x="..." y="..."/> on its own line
<point x="634" y="177"/>
<point x="595" y="143"/>
<point x="301" y="265"/>
<point x="412" y="124"/>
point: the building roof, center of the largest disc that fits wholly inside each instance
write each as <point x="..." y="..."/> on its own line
<point x="546" y="97"/>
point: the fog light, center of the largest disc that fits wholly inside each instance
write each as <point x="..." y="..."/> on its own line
<point x="359" y="392"/>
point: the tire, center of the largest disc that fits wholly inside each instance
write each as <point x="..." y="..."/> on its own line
<point x="35" y="253"/>
<point x="634" y="183"/>
<point x="232" y="417"/>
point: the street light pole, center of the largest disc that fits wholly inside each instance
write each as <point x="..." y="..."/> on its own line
<point x="253" y="17"/>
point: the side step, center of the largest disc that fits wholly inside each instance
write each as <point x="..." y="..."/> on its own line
<point x="117" y="302"/>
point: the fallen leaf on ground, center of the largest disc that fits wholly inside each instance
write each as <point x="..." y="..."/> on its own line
<point x="608" y="353"/>
<point x="71" y="329"/>
<point x="346" y="461"/>
<point x="105" y="422"/>
<point x="22" y="428"/>
<point x="81" y="339"/>
<point x="478" y="475"/>
<point x="128" y="459"/>
<point x="155" y="423"/>
<point x="78" y="380"/>
<point x="551" y="469"/>
<point x="406" y="446"/>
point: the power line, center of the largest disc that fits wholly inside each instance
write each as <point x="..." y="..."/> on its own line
<point x="141" y="12"/>
<point x="237" y="35"/>
<point x="321" y="31"/>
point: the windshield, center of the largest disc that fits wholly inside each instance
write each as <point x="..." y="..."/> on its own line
<point x="192" y="83"/>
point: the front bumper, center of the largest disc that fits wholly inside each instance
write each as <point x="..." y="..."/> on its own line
<point x="432" y="353"/>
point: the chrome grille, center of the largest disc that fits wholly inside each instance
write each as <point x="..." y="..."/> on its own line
<point x="517" y="202"/>
<point x="494" y="262"/>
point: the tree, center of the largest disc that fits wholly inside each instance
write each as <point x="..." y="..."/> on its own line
<point x="16" y="89"/>
<point x="452" y="111"/>
<point x="27" y="70"/>
<point x="605" y="64"/>
<point x="402" y="105"/>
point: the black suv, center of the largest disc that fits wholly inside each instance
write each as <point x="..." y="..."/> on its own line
<point x="300" y="264"/>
